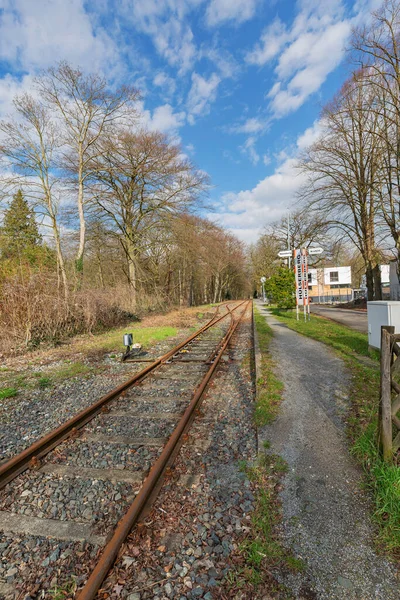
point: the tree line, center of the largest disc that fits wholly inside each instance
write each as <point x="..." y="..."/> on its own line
<point x="99" y="211"/>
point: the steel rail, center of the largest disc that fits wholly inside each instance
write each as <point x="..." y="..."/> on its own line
<point x="132" y="515"/>
<point x="31" y="456"/>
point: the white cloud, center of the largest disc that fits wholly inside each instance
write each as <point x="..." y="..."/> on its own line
<point x="252" y="125"/>
<point x="305" y="53"/>
<point x="167" y="84"/>
<point x="221" y="11"/>
<point x="249" y="149"/>
<point x="163" y="119"/>
<point x="247" y="212"/>
<point x="271" y="42"/>
<point x="202" y="93"/>
<point x="10" y="86"/>
<point x="310" y="135"/>
<point x="37" y="34"/>
<point x="166" y="24"/>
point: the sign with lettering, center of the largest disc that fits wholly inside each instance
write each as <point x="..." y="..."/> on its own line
<point x="301" y="276"/>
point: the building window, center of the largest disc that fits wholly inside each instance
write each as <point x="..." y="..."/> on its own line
<point x="310" y="288"/>
<point x="309" y="278"/>
<point x="334" y="276"/>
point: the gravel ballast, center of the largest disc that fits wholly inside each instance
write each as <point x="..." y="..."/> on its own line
<point x="185" y="547"/>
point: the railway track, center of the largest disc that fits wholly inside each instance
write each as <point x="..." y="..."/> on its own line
<point x="82" y="487"/>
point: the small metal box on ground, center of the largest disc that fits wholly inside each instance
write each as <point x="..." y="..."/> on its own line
<point x="382" y="312"/>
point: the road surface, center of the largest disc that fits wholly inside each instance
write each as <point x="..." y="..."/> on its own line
<point x="352" y="318"/>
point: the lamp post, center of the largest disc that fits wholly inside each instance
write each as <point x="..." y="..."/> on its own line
<point x="263" y="280"/>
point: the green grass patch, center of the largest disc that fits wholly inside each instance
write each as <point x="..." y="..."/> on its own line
<point x="342" y="338"/>
<point x="261" y="551"/>
<point x="112" y="341"/>
<point x="63" y="592"/>
<point x="44" y="382"/>
<point x="8" y="392"/>
<point x="68" y="370"/>
<point x="362" y="421"/>
<point x="269" y="388"/>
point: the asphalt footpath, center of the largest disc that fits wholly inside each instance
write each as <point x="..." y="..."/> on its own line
<point x="326" y="513"/>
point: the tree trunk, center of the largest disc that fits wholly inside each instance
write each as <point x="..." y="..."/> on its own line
<point x="82" y="226"/>
<point x="60" y="258"/>
<point x="370" y="282"/>
<point x="131" y="260"/>
<point x="216" y="288"/>
<point x="377" y="282"/>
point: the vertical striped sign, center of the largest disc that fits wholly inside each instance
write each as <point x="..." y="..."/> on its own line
<point x="301" y="276"/>
<point x="304" y="273"/>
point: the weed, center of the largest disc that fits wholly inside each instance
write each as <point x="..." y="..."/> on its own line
<point x="269" y="388"/>
<point x="8" y="392"/>
<point x="44" y="382"/>
<point x="261" y="550"/>
<point x="71" y="369"/>
<point x="64" y="591"/>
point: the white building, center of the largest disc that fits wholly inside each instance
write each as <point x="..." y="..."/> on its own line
<point x="331" y="284"/>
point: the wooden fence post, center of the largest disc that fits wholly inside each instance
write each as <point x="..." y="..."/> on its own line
<point x="385" y="409"/>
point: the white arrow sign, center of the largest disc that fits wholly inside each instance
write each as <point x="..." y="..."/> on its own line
<point x="312" y="251"/>
<point x="285" y="253"/>
<point x="263" y="279"/>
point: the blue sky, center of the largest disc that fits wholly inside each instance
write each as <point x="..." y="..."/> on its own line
<point x="240" y="83"/>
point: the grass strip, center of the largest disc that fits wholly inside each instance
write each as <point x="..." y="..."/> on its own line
<point x="8" y="392"/>
<point x="262" y="549"/>
<point x="260" y="552"/>
<point x="269" y="388"/>
<point x="362" y="421"/>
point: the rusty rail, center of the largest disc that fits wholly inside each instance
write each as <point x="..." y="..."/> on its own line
<point x="110" y="552"/>
<point x="32" y="455"/>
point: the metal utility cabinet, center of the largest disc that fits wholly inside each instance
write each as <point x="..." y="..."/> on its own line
<point x="382" y="312"/>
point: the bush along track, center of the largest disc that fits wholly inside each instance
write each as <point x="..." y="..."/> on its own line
<point x="362" y="421"/>
<point x="261" y="553"/>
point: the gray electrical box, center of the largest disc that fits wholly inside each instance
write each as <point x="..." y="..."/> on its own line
<point x="382" y="312"/>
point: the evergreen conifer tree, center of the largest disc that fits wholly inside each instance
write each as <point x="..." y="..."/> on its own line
<point x="20" y="234"/>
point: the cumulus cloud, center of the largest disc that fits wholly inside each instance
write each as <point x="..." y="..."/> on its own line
<point x="11" y="86"/>
<point x="167" y="25"/>
<point x="305" y="52"/>
<point x="163" y="119"/>
<point x="36" y="34"/>
<point x="247" y="212"/>
<point x="202" y="93"/>
<point x="221" y="11"/>
<point x="252" y="125"/>
<point x="167" y="84"/>
<point x="272" y="40"/>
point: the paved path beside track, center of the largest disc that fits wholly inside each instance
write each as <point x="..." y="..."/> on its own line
<point x="326" y="514"/>
<point x="352" y="318"/>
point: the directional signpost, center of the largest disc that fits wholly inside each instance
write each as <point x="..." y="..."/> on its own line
<point x="312" y="251"/>
<point x="301" y="275"/>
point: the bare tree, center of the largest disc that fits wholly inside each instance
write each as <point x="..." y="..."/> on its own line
<point x="139" y="181"/>
<point x="377" y="47"/>
<point x="87" y="109"/>
<point x="342" y="166"/>
<point x="30" y="146"/>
